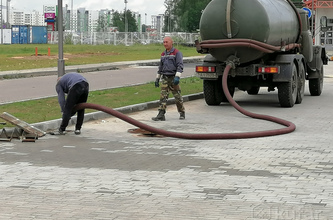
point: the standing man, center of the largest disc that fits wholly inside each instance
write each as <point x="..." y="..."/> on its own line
<point x="77" y="88"/>
<point x="169" y="71"/>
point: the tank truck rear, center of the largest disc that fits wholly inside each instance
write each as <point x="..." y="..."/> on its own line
<point x="270" y="45"/>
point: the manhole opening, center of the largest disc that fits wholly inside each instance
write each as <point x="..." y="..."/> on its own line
<point x="143" y="133"/>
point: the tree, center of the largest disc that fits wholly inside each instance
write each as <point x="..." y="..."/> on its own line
<point x="185" y="13"/>
<point x="143" y="28"/>
<point x="191" y="17"/>
<point x="169" y="17"/>
<point x="118" y="20"/>
<point x="103" y="23"/>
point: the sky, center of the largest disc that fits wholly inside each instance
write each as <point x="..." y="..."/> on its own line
<point x="149" y="7"/>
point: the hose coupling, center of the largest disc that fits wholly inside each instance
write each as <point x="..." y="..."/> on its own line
<point x="232" y="61"/>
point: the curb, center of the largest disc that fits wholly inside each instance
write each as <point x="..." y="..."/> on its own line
<point x="86" y="68"/>
<point x="55" y="124"/>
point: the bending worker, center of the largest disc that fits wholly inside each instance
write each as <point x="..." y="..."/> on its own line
<point x="169" y="71"/>
<point x="77" y="88"/>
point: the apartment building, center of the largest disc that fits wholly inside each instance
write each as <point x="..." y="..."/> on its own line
<point x="77" y="21"/>
<point x="157" y="23"/>
<point x="34" y="18"/>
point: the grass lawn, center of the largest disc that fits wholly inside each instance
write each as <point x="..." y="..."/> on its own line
<point x="18" y="56"/>
<point x="48" y="108"/>
<point x="23" y="56"/>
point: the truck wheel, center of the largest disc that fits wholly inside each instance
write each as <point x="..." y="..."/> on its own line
<point x="211" y="92"/>
<point x="254" y="90"/>
<point x="316" y="85"/>
<point x="287" y="91"/>
<point x="301" y="85"/>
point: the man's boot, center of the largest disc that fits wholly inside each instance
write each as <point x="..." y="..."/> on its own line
<point x="160" y="116"/>
<point x="182" y="116"/>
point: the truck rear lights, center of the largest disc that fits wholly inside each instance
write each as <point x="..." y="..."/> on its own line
<point x="272" y="69"/>
<point x="205" y="69"/>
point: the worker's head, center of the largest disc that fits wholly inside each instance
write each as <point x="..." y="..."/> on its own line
<point x="167" y="42"/>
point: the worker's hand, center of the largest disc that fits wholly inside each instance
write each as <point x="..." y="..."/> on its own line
<point x="176" y="80"/>
<point x="157" y="83"/>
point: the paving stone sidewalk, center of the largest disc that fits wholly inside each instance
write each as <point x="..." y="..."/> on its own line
<point x="108" y="173"/>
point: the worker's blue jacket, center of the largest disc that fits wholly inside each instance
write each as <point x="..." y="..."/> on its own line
<point x="171" y="62"/>
<point x="64" y="84"/>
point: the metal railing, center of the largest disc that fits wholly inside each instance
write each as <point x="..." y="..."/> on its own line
<point x="121" y="38"/>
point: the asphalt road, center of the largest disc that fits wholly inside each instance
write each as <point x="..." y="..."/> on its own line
<point x="108" y="173"/>
<point x="44" y="86"/>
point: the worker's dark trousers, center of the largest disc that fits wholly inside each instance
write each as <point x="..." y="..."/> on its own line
<point x="77" y="94"/>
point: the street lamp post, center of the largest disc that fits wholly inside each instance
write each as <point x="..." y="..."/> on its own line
<point x="126" y="23"/>
<point x="71" y="26"/>
<point x="61" y="61"/>
<point x="7" y="24"/>
<point x="312" y="19"/>
<point x="1" y="25"/>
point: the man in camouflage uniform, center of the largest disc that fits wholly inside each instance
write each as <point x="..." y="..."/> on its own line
<point x="169" y="72"/>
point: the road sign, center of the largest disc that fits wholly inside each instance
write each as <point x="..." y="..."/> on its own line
<point x="308" y="11"/>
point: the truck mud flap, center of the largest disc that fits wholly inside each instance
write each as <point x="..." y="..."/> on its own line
<point x="316" y="65"/>
<point x="285" y="62"/>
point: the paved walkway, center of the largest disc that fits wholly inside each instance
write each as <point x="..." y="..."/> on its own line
<point x="108" y="173"/>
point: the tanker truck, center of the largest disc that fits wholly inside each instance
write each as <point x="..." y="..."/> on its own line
<point x="269" y="44"/>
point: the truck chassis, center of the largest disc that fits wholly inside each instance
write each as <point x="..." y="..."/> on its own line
<point x="289" y="76"/>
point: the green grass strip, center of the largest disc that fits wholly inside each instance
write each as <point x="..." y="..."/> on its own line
<point x="46" y="109"/>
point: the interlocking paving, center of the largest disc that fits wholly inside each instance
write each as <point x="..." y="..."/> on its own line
<point x="108" y="173"/>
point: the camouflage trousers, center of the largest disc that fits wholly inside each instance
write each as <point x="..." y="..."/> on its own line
<point x="167" y="86"/>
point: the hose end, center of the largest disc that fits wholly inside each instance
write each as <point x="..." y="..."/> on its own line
<point x="232" y="61"/>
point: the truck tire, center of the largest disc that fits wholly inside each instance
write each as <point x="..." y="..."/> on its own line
<point x="301" y="85"/>
<point x="211" y="92"/>
<point x="287" y="91"/>
<point x="254" y="90"/>
<point x="316" y="85"/>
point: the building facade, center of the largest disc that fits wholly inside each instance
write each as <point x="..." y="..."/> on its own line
<point x="321" y="9"/>
<point x="157" y="23"/>
<point x="21" y="18"/>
